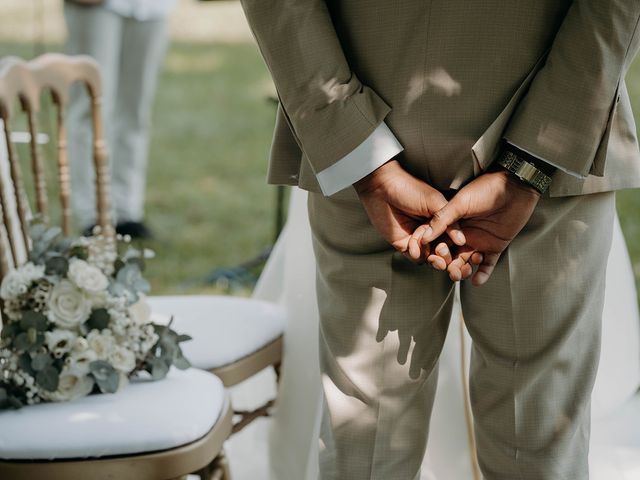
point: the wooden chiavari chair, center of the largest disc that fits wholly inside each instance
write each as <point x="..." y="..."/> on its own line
<point x="151" y="430"/>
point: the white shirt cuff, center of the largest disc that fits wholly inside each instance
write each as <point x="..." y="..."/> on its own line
<point x="380" y="147"/>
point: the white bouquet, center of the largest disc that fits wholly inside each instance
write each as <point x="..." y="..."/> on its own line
<point x="75" y="321"/>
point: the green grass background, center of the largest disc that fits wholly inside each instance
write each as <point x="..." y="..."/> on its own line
<point x="207" y="200"/>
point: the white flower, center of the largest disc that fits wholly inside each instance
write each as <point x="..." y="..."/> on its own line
<point x="71" y="386"/>
<point x="87" y="277"/>
<point x="68" y="305"/>
<point x="123" y="382"/>
<point x="102" y="343"/>
<point x="80" y="345"/>
<point x="18" y="281"/>
<point x="60" y="341"/>
<point x="122" y="359"/>
<point x="79" y="362"/>
<point x="140" y="312"/>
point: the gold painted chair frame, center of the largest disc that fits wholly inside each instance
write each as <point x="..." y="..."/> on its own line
<point x="23" y="82"/>
<point x="240" y="370"/>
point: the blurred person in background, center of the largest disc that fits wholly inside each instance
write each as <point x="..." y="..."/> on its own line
<point x="128" y="38"/>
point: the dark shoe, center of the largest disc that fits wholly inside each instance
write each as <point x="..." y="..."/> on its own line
<point x="136" y="230"/>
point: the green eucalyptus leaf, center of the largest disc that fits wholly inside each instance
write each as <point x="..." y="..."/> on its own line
<point x="41" y="361"/>
<point x="106" y="377"/>
<point x="79" y="252"/>
<point x="159" y="368"/>
<point x="22" y="342"/>
<point x="9" y="330"/>
<point x="15" y="402"/>
<point x="168" y="347"/>
<point x="183" y="338"/>
<point x="180" y="361"/>
<point x="34" y="320"/>
<point x="3" y="396"/>
<point x="48" y="378"/>
<point x="38" y="343"/>
<point x="51" y="234"/>
<point x="24" y="362"/>
<point x="99" y="319"/>
<point x="138" y="262"/>
<point x="57" y="265"/>
<point x="32" y="334"/>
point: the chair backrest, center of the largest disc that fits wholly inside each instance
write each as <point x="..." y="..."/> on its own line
<point x="22" y="83"/>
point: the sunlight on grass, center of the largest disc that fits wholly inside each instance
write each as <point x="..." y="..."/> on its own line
<point x="185" y="63"/>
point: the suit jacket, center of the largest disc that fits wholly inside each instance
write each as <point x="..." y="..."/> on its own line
<point x="452" y="79"/>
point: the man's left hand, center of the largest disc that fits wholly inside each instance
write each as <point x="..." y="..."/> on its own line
<point x="492" y="208"/>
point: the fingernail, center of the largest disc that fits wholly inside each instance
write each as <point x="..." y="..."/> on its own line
<point x="443" y="250"/>
<point x="481" y="278"/>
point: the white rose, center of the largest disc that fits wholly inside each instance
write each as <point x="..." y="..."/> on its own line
<point x="101" y="343"/>
<point x="87" y="277"/>
<point x="71" y="386"/>
<point x="12" y="286"/>
<point x="68" y="306"/>
<point x="79" y="362"/>
<point x="140" y="312"/>
<point x="122" y="359"/>
<point x="60" y="341"/>
<point x="18" y="281"/>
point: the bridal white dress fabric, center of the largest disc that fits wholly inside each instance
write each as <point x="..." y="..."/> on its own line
<point x="289" y="278"/>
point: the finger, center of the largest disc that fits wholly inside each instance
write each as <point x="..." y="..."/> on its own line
<point x="443" y="251"/>
<point x="418" y="251"/>
<point x="457" y="267"/>
<point x="485" y="269"/>
<point x="442" y="219"/>
<point x="476" y="258"/>
<point x="466" y="271"/>
<point x="437" y="262"/>
<point x="413" y="252"/>
<point x="455" y="234"/>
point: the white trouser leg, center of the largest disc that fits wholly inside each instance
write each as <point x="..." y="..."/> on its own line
<point x="143" y="49"/>
<point x="93" y="31"/>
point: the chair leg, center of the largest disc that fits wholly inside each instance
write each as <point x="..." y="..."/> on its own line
<point x="218" y="469"/>
<point x="222" y="466"/>
<point x="276" y="368"/>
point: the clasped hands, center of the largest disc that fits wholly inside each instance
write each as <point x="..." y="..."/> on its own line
<point x="470" y="230"/>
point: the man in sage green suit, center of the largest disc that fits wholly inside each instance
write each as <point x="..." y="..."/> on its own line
<point x="484" y="139"/>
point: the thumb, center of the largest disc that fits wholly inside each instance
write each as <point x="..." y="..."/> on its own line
<point x="441" y="220"/>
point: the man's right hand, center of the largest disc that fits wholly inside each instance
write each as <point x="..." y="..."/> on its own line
<point x="397" y="203"/>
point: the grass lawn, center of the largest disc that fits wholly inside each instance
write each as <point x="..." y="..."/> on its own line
<point x="207" y="200"/>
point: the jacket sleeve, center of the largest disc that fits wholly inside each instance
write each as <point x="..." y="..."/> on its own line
<point x="565" y="114"/>
<point x="329" y="111"/>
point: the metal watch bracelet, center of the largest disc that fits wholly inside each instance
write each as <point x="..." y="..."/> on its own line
<point x="525" y="171"/>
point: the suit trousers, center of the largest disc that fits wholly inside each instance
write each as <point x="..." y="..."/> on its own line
<point x="535" y="327"/>
<point x="130" y="53"/>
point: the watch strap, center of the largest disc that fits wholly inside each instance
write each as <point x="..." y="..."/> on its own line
<point x="525" y="171"/>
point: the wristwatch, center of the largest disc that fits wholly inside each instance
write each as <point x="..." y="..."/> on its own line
<point x="525" y="171"/>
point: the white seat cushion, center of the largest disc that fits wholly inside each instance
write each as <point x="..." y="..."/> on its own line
<point x="224" y="329"/>
<point x="144" y="417"/>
